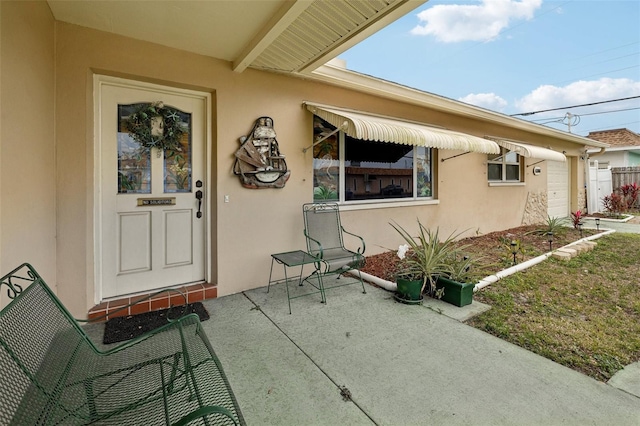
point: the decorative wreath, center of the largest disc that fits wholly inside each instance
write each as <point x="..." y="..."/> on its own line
<point x="155" y="126"/>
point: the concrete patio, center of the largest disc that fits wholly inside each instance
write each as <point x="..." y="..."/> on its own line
<point x="366" y="359"/>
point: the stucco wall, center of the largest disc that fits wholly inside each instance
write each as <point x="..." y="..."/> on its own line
<point x="254" y="223"/>
<point x="613" y="158"/>
<point x="27" y="166"/>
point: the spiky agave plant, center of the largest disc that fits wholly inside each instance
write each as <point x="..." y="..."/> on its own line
<point x="430" y="256"/>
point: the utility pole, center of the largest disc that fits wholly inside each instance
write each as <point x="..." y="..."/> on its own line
<point x="572" y="120"/>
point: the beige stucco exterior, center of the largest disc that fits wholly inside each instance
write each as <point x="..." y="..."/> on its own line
<point x="27" y="151"/>
<point x="47" y="156"/>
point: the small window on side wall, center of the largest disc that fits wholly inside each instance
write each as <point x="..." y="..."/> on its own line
<point x="504" y="167"/>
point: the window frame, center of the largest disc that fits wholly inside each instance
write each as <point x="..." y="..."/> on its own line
<point x="414" y="199"/>
<point x="504" y="163"/>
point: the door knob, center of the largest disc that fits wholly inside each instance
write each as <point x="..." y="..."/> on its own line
<point x="199" y="196"/>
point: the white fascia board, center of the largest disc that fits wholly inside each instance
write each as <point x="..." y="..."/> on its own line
<point x="630" y="148"/>
<point x="341" y="77"/>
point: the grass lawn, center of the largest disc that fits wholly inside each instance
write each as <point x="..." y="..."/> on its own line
<point x="584" y="313"/>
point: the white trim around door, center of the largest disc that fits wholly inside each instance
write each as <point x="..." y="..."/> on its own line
<point x="105" y="191"/>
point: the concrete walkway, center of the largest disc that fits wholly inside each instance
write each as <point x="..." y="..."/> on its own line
<point x="366" y="359"/>
<point x="624" y="227"/>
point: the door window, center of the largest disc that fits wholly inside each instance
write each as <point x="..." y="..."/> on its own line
<point x="135" y="161"/>
<point x="177" y="164"/>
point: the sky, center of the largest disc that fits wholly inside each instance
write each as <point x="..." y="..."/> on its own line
<point x="518" y="57"/>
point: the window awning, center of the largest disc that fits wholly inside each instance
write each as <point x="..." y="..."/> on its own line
<point x="369" y="127"/>
<point x="529" y="151"/>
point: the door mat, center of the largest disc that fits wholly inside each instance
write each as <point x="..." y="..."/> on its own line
<point x="120" y="329"/>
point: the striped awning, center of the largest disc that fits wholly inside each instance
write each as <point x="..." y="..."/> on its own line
<point x="529" y="151"/>
<point x="376" y="128"/>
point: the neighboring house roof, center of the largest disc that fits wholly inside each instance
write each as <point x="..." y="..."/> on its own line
<point x="620" y="140"/>
<point x="616" y="137"/>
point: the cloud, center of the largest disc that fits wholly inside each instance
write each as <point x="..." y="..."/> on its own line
<point x="482" y="22"/>
<point x="578" y="93"/>
<point x="485" y="100"/>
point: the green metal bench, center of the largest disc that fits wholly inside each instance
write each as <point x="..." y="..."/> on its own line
<point x="53" y="374"/>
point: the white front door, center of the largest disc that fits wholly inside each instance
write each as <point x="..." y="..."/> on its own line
<point x="151" y="201"/>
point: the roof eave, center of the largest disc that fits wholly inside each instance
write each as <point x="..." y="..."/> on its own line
<point x="614" y="148"/>
<point x="397" y="11"/>
<point x="278" y="23"/>
<point x="341" y="77"/>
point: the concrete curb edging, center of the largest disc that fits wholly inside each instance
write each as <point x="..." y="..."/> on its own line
<point x="531" y="262"/>
<point x="627" y="218"/>
<point x="391" y="286"/>
<point x="387" y="285"/>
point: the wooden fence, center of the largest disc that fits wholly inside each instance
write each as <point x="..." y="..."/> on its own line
<point x="624" y="175"/>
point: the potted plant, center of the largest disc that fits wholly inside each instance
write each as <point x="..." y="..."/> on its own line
<point x="409" y="278"/>
<point x="423" y="259"/>
<point x="456" y="285"/>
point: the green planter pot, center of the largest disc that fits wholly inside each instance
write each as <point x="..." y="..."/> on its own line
<point x="409" y="291"/>
<point x="459" y="294"/>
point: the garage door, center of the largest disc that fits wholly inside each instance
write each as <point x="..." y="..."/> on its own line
<point x="558" y="189"/>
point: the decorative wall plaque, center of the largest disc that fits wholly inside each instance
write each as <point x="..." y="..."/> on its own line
<point x="259" y="163"/>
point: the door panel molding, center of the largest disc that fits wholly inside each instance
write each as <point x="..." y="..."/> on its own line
<point x="178" y="246"/>
<point x="134" y="242"/>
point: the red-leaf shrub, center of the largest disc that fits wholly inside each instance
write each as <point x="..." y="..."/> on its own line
<point x="630" y="194"/>
<point x="576" y="218"/>
<point x="614" y="204"/>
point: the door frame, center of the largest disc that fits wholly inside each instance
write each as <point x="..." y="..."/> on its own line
<point x="101" y="80"/>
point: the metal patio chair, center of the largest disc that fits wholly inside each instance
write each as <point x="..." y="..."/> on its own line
<point x="325" y="241"/>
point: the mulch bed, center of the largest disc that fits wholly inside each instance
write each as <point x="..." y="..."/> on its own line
<point x="491" y="250"/>
<point x="120" y="329"/>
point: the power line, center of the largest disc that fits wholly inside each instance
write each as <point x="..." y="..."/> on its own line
<point x="613" y="126"/>
<point x="604" y="61"/>
<point x="576" y="106"/>
<point x="551" y="119"/>
<point x="607" y="112"/>
<point x="587" y="56"/>
<point x="508" y="29"/>
<point x="600" y="73"/>
<point x="605" y="50"/>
